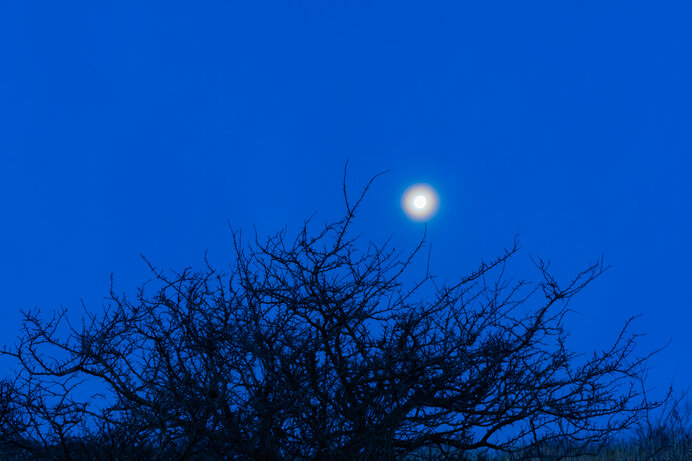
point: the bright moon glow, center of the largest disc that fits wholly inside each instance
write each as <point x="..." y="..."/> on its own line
<point x="420" y="202"/>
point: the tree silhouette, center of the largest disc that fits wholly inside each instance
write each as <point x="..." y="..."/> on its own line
<point x="315" y="348"/>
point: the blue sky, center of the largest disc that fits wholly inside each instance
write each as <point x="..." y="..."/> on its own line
<point x="131" y="128"/>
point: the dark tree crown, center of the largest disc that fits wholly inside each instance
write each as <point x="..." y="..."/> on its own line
<point x="314" y="348"/>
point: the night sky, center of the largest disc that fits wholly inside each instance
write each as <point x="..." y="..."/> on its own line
<point x="131" y="128"/>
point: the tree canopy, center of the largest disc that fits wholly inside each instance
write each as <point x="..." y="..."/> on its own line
<point x="314" y="347"/>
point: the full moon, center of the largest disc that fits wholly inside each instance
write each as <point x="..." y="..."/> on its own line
<point x="420" y="202"/>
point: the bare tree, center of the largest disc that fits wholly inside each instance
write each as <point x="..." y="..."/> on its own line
<point x="314" y="348"/>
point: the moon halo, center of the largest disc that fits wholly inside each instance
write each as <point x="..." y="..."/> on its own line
<point x="420" y="202"/>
